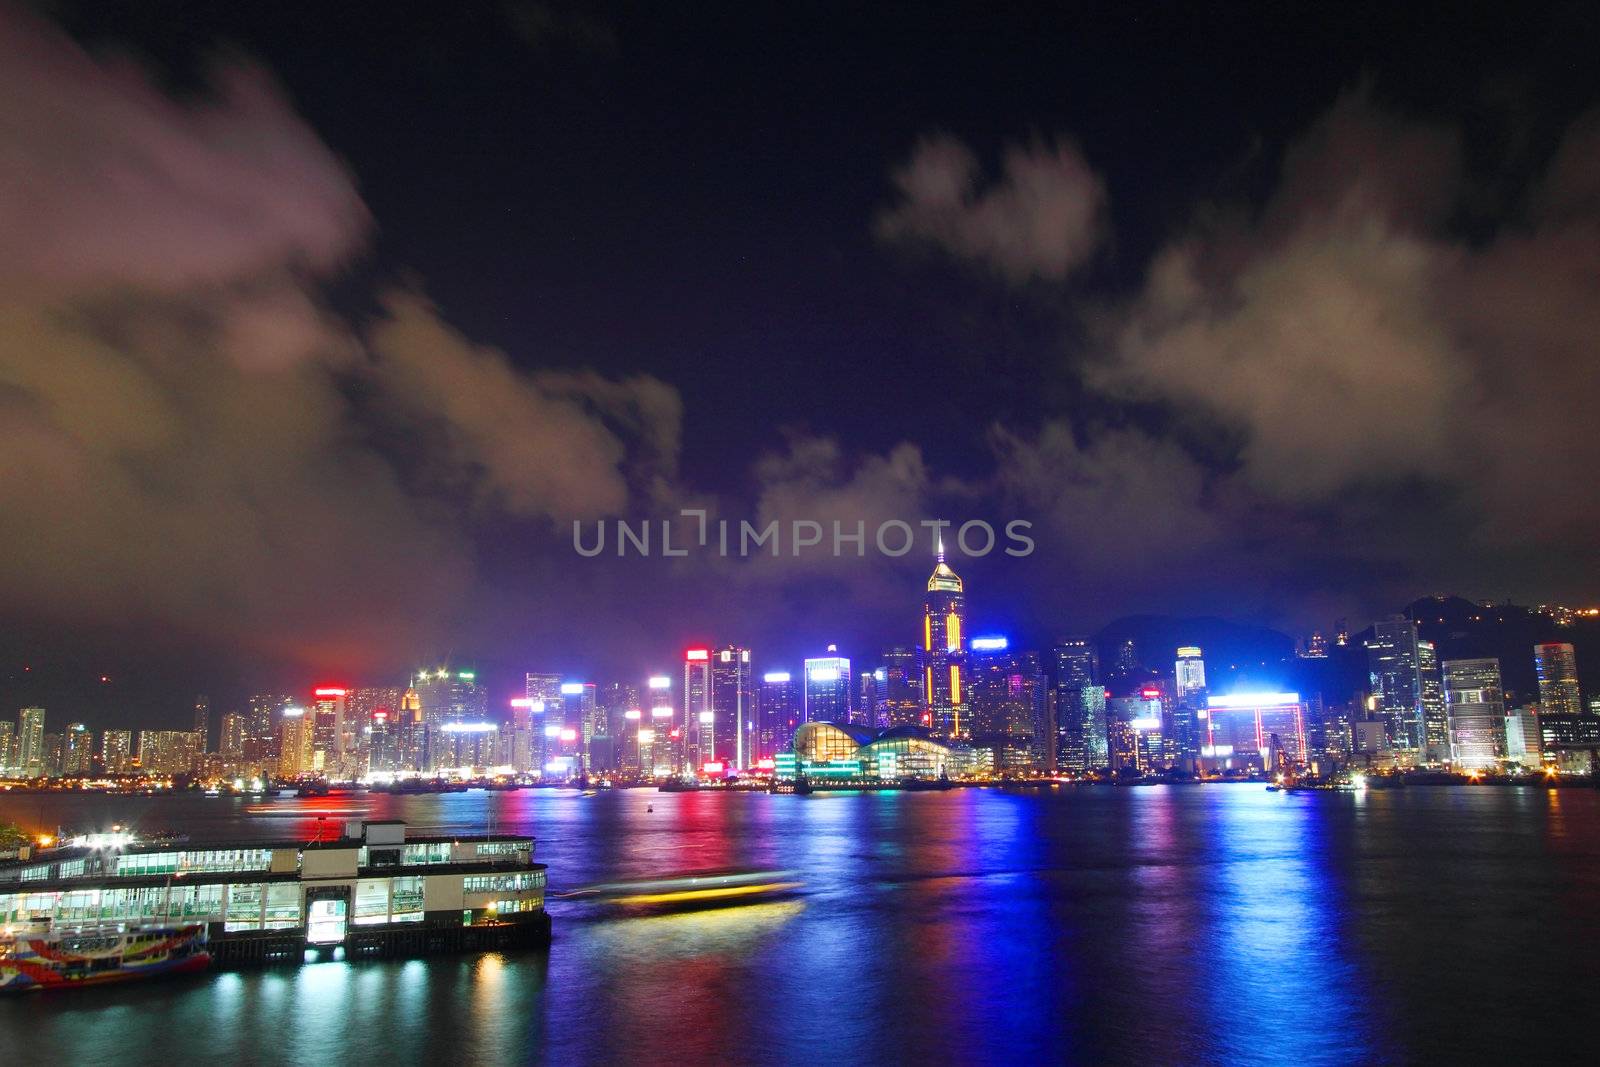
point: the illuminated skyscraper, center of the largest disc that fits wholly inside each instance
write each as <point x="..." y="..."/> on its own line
<point x="295" y="752"/>
<point x="733" y="700"/>
<point x="261" y="740"/>
<point x="7" y="744"/>
<point x="696" y="732"/>
<point x="168" y="751"/>
<point x="1556" y="665"/>
<point x="231" y="742"/>
<point x="30" y="742"/>
<point x="543" y="716"/>
<point x="1476" y="712"/>
<point x="1010" y="711"/>
<point x="867" y="699"/>
<point x="202" y="721"/>
<point x="1435" y="718"/>
<point x="1074" y="667"/>
<point x="901" y="690"/>
<point x="372" y="715"/>
<point x="448" y="697"/>
<point x="77" y="750"/>
<point x="944" y="657"/>
<point x="1396" y="681"/>
<point x="116" y="751"/>
<point x="327" y="714"/>
<point x="827" y="688"/>
<point x="1190" y="675"/>
<point x="779" y="711"/>
<point x="412" y="744"/>
<point x="657" y="750"/>
<point x="582" y="721"/>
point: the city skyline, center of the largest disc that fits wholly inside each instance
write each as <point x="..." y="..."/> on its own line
<point x="964" y="701"/>
<point x="319" y="429"/>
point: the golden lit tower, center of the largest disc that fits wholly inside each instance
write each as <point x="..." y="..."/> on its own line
<point x="944" y="657"/>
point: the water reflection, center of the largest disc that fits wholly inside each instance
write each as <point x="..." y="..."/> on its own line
<point x="1218" y="924"/>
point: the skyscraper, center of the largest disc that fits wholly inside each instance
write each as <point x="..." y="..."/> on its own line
<point x="168" y="751"/>
<point x="901" y="690"/>
<point x="261" y="740"/>
<point x="295" y="754"/>
<point x="116" y="751"/>
<point x="1190" y="674"/>
<point x="827" y="688"/>
<point x="696" y="729"/>
<point x="1396" y="681"/>
<point x="7" y="743"/>
<point x="733" y="700"/>
<point x="543" y="713"/>
<point x="372" y="714"/>
<point x="779" y="704"/>
<point x="30" y="742"/>
<point x="658" y="748"/>
<point x="944" y="658"/>
<point x="231" y="744"/>
<point x="1008" y="705"/>
<point x="1476" y="712"/>
<point x="867" y="697"/>
<point x="448" y="698"/>
<point x="328" y="729"/>
<point x="77" y="750"/>
<point x="202" y="721"/>
<point x="1556" y="665"/>
<point x="1435" y="719"/>
<point x="1074" y="667"/>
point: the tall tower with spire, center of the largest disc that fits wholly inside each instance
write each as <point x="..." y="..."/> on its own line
<point x="944" y="656"/>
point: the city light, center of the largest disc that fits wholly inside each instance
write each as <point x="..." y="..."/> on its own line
<point x="633" y="715"/>
<point x="697" y="654"/>
<point x="713" y="767"/>
<point x="1145" y="724"/>
<point x="552" y="731"/>
<point x="990" y="644"/>
<point x="330" y="691"/>
<point x="291" y="712"/>
<point x="707" y="718"/>
<point x="469" y="727"/>
<point x="775" y="677"/>
<point x="526" y="702"/>
<point x="647" y="736"/>
<point x="571" y="688"/>
<point x="661" y="713"/>
<point x="824" y="674"/>
<point x="660" y="682"/>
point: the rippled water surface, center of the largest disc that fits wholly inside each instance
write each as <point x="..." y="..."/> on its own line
<point x="1161" y="924"/>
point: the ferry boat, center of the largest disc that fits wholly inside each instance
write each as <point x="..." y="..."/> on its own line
<point x="373" y="891"/>
<point x="46" y="959"/>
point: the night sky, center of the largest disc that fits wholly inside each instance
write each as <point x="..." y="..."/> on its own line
<point x="319" y="327"/>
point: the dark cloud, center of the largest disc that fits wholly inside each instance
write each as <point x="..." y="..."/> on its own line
<point x="189" y="436"/>
<point x="1043" y="217"/>
<point x="1342" y="393"/>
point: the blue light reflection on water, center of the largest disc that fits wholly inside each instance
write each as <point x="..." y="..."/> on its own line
<point x="1214" y="923"/>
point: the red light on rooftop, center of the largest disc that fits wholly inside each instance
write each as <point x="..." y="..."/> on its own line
<point x="329" y="691"/>
<point x="697" y="654"/>
<point x="1149" y="693"/>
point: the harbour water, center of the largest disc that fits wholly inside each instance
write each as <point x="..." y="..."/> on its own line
<point x="1215" y="923"/>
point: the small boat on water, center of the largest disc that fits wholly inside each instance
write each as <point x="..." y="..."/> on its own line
<point x="72" y="958"/>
